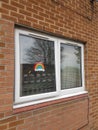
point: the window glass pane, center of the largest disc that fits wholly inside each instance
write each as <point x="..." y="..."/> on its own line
<point x="37" y="66"/>
<point x="70" y="66"/>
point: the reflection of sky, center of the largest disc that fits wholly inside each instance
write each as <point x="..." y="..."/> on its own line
<point x="36" y="50"/>
<point x="25" y="44"/>
<point x="69" y="57"/>
<point x="68" y="52"/>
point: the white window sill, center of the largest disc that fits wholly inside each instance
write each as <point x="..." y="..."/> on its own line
<point x="16" y="106"/>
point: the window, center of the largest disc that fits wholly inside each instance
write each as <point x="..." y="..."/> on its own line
<point x="70" y="66"/>
<point x="46" y="67"/>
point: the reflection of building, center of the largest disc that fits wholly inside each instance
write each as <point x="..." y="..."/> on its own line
<point x="34" y="82"/>
<point x="71" y="77"/>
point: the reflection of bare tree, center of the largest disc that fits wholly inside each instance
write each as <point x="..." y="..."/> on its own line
<point x="75" y="50"/>
<point x="78" y="54"/>
<point x="63" y="56"/>
<point x="41" y="51"/>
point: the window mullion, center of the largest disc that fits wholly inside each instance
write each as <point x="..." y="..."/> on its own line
<point x="82" y="62"/>
<point x="57" y="64"/>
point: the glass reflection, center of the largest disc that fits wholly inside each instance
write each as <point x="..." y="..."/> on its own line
<point x="70" y="66"/>
<point x="37" y="66"/>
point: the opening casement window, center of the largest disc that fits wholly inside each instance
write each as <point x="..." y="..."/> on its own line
<point x="46" y="67"/>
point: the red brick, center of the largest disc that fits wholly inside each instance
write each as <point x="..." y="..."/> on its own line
<point x="6" y="1"/>
<point x="37" y="26"/>
<point x="24" y="22"/>
<point x="11" y="119"/>
<point x="34" y="2"/>
<point x="12" y="128"/>
<point x="31" y="19"/>
<point x="3" y="127"/>
<point x="1" y="115"/>
<point x="25" y="3"/>
<point x="18" y="5"/>
<point x="9" y="17"/>
<point x="1" y="56"/>
<point x="24" y="12"/>
<point x="44" y="23"/>
<point x="4" y="11"/>
<point x="9" y="7"/>
<point x="17" y="15"/>
<point x="25" y="115"/>
<point x="5" y="108"/>
<point x="16" y="123"/>
<point x="2" y="33"/>
<point x="8" y="113"/>
<point x="2" y="44"/>
<point x="36" y="7"/>
<point x="2" y="67"/>
<point x="38" y="17"/>
<point x="32" y="10"/>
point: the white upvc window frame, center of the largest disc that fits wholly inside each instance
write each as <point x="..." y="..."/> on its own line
<point x="81" y="88"/>
<point x="39" y="98"/>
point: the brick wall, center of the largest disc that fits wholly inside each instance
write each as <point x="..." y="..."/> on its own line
<point x="71" y="19"/>
<point x="60" y="116"/>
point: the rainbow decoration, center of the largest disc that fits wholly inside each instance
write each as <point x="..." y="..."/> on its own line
<point x="39" y="67"/>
